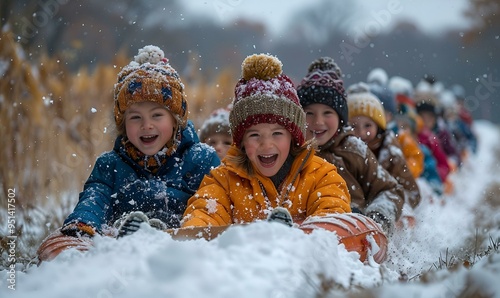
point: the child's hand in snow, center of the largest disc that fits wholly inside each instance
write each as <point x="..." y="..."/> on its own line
<point x="78" y="230"/>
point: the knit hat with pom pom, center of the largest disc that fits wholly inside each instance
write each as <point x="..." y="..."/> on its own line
<point x="323" y="84"/>
<point x="377" y="76"/>
<point x="426" y="102"/>
<point x="400" y="85"/>
<point x="265" y="95"/>
<point x="150" y="78"/>
<point x="362" y="102"/>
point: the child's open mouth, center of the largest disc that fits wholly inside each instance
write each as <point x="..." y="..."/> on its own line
<point x="149" y="139"/>
<point x="318" y="133"/>
<point x="268" y="160"/>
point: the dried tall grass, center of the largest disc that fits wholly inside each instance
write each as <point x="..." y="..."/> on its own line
<point x="55" y="122"/>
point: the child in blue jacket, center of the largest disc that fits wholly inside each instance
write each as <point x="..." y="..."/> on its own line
<point x="157" y="162"/>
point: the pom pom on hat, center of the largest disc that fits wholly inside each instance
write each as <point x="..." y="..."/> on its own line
<point x="377" y="76"/>
<point x="423" y="86"/>
<point x="386" y="97"/>
<point x="448" y="101"/>
<point x="362" y="102"/>
<point x="265" y="95"/>
<point x="400" y="85"/>
<point x="323" y="84"/>
<point x="261" y="67"/>
<point x="150" y="54"/>
<point x="150" y="78"/>
<point x="325" y="64"/>
<point x="358" y="88"/>
<point x="459" y="91"/>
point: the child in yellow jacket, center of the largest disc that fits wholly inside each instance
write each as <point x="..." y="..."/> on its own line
<point x="269" y="164"/>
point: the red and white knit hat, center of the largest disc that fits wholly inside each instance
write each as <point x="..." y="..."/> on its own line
<point x="265" y="95"/>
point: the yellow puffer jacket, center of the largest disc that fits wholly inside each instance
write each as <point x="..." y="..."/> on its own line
<point x="412" y="153"/>
<point x="229" y="195"/>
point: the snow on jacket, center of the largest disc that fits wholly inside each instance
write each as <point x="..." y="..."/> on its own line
<point x="391" y="157"/>
<point x="230" y="195"/>
<point x="371" y="187"/>
<point x="117" y="185"/>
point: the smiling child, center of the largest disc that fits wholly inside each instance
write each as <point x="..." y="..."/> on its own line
<point x="269" y="165"/>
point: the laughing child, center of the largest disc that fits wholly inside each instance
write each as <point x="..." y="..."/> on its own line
<point x="269" y="165"/>
<point x="374" y="192"/>
<point x="157" y="162"/>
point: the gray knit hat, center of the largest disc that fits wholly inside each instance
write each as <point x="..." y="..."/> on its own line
<point x="217" y="122"/>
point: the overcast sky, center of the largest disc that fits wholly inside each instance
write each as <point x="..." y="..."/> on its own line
<point x="430" y="15"/>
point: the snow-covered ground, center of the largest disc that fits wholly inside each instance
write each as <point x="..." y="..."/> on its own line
<point x="272" y="260"/>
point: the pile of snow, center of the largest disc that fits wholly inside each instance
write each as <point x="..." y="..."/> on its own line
<point x="271" y="260"/>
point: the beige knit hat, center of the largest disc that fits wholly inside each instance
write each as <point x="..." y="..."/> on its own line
<point x="361" y="102"/>
<point x="217" y="122"/>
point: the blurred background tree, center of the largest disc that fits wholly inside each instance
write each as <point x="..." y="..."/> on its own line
<point x="89" y="32"/>
<point x="485" y="14"/>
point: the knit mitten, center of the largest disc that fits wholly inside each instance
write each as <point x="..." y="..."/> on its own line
<point x="132" y="223"/>
<point x="383" y="221"/>
<point x="78" y="229"/>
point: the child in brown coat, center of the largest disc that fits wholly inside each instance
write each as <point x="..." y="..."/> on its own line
<point x="367" y="117"/>
<point x="374" y="192"/>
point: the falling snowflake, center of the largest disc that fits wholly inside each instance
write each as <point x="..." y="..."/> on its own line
<point x="212" y="206"/>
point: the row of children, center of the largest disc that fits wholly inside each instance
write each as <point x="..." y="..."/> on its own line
<point x="159" y="172"/>
<point x="431" y="123"/>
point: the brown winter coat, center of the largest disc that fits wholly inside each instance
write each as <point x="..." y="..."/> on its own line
<point x="229" y="195"/>
<point x="371" y="187"/>
<point x="391" y="157"/>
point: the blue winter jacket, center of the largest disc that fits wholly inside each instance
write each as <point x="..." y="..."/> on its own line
<point x="430" y="172"/>
<point x="118" y="185"/>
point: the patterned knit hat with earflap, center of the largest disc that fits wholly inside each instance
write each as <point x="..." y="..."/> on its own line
<point x="265" y="95"/>
<point x="362" y="102"/>
<point x="323" y="84"/>
<point x="150" y="78"/>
